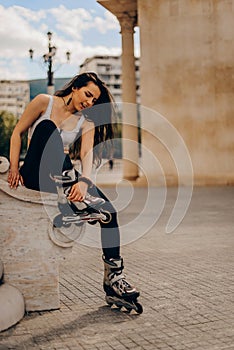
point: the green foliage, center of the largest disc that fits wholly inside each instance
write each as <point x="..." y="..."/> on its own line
<point x="7" y="124"/>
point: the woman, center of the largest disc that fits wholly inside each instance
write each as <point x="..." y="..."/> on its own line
<point x="53" y="124"/>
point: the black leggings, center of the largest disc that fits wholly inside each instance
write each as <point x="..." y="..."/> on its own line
<point x="46" y="156"/>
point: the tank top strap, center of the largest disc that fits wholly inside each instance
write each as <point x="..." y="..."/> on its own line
<point x="44" y="116"/>
<point x="79" y="123"/>
<point x="49" y="107"/>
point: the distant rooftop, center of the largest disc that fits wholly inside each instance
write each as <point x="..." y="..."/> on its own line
<point x="87" y="60"/>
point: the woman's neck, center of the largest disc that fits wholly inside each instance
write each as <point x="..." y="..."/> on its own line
<point x="68" y="105"/>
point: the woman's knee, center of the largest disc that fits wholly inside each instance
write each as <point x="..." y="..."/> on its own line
<point x="45" y="127"/>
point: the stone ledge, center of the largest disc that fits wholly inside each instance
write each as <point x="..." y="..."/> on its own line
<point x="31" y="260"/>
<point x="11" y="305"/>
<point x="26" y="195"/>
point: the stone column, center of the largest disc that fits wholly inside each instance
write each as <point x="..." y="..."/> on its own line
<point x="129" y="111"/>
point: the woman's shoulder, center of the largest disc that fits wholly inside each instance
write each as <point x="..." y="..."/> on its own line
<point x="42" y="99"/>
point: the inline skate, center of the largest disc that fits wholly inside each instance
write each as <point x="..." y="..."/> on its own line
<point x="77" y="213"/>
<point x="118" y="291"/>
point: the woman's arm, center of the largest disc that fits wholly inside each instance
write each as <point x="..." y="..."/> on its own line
<point x="34" y="109"/>
<point x="79" y="190"/>
<point x="86" y="151"/>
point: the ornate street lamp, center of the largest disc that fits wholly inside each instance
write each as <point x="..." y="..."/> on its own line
<point x="31" y="53"/>
<point x="48" y="59"/>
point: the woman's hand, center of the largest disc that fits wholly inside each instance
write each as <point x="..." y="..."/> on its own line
<point x="78" y="192"/>
<point x="14" y="178"/>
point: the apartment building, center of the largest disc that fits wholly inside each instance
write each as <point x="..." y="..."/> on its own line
<point x="14" y="96"/>
<point x="109" y="69"/>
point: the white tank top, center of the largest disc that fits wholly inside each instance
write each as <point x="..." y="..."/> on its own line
<point x="68" y="137"/>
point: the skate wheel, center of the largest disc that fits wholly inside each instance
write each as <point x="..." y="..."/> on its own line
<point x="129" y="309"/>
<point x="108" y="301"/>
<point x="119" y="307"/>
<point x="139" y="308"/>
<point x="93" y="222"/>
<point x="58" y="222"/>
<point x="79" y="224"/>
<point x="108" y="217"/>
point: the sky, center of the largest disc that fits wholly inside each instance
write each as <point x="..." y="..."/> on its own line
<point x="82" y="27"/>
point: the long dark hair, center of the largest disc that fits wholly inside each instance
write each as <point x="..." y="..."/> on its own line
<point x="101" y="116"/>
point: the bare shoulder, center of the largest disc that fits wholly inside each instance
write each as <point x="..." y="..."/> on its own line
<point x="88" y="125"/>
<point x="38" y="105"/>
<point x="42" y="99"/>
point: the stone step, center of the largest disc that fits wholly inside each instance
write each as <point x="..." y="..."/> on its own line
<point x="11" y="305"/>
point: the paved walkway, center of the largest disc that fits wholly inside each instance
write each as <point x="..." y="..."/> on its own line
<point x="186" y="281"/>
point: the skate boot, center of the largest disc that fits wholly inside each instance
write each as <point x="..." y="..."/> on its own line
<point x="118" y="291"/>
<point x="64" y="184"/>
<point x="89" y="210"/>
<point x="67" y="180"/>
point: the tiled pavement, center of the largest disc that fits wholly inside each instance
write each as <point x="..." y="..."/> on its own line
<point x="186" y="281"/>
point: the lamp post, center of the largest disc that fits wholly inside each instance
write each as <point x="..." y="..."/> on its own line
<point x="48" y="59"/>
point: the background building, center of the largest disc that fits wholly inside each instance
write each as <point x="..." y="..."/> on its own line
<point x="109" y="69"/>
<point x="39" y="86"/>
<point x="14" y="96"/>
<point x="186" y="69"/>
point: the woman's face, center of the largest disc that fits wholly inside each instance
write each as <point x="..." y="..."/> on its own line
<point x="85" y="96"/>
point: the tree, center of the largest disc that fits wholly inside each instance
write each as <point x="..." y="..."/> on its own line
<point x="7" y="124"/>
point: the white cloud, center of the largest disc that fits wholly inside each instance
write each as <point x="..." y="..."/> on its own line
<point x="76" y="21"/>
<point x="29" y="15"/>
<point x="71" y="22"/>
<point x="13" y="69"/>
<point x="16" y="33"/>
<point x="22" y="29"/>
<point x="107" y="23"/>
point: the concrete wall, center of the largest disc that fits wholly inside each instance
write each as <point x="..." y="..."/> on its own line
<point x="30" y="257"/>
<point x="187" y="55"/>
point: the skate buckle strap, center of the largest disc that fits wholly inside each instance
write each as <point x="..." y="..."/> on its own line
<point x="116" y="278"/>
<point x="63" y="179"/>
<point x="93" y="202"/>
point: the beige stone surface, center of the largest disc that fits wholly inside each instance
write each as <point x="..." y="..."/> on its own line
<point x="11" y="305"/>
<point x="30" y="258"/>
<point x="129" y="111"/>
<point x="185" y="279"/>
<point x="187" y="76"/>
